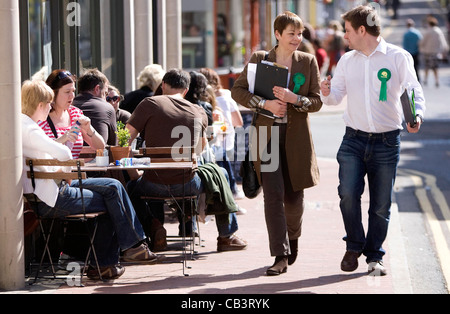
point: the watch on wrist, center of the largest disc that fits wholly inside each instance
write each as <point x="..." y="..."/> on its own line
<point x="306" y="102"/>
<point x="303" y="103"/>
<point x="299" y="103"/>
<point x="419" y="116"/>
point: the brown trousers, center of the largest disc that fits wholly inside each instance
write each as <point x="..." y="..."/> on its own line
<point x="283" y="207"/>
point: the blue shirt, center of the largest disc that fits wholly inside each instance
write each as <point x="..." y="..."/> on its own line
<point x="411" y="41"/>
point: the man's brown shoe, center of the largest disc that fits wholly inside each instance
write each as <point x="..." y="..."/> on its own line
<point x="350" y="261"/>
<point x="232" y="243"/>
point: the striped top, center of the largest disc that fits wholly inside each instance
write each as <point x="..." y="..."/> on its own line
<point x="74" y="114"/>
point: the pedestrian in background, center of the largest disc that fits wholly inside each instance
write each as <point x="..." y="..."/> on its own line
<point x="334" y="44"/>
<point x="296" y="169"/>
<point x="434" y="48"/>
<point x="371" y="145"/>
<point x="411" y="42"/>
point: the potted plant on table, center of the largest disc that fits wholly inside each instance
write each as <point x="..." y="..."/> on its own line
<point x="123" y="149"/>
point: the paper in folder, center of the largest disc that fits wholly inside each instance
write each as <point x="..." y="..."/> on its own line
<point x="267" y="77"/>
<point x="409" y="107"/>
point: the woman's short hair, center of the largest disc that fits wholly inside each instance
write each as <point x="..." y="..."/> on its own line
<point x="285" y="19"/>
<point x="365" y="16"/>
<point x="59" y="78"/>
<point x="34" y="93"/>
<point x="151" y="76"/>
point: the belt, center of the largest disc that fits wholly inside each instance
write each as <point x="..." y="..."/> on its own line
<point x="372" y="135"/>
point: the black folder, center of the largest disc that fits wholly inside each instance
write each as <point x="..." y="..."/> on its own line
<point x="267" y="77"/>
<point x="409" y="107"/>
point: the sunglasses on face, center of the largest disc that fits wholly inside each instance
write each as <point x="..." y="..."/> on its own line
<point x="113" y="99"/>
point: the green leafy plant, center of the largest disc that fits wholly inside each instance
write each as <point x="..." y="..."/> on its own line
<point x="123" y="135"/>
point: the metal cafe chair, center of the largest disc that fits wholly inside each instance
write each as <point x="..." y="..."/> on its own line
<point x="85" y="218"/>
<point x="182" y="154"/>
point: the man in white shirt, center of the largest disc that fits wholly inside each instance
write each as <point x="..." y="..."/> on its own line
<point x="373" y="76"/>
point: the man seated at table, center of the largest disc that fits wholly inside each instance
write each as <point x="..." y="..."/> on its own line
<point x="93" y="88"/>
<point x="169" y="120"/>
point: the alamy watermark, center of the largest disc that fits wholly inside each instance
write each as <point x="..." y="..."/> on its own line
<point x="371" y="19"/>
<point x="74" y="15"/>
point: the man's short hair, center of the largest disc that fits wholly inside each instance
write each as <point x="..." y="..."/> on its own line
<point x="365" y="16"/>
<point x="177" y="79"/>
<point x="90" y="79"/>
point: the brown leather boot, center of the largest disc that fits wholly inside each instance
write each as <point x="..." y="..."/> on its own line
<point x="294" y="251"/>
<point x="158" y="236"/>
<point x="279" y="267"/>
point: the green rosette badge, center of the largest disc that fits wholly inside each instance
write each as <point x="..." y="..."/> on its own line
<point x="384" y="76"/>
<point x="299" y="80"/>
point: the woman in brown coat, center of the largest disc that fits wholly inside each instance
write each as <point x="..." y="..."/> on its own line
<point x="292" y="166"/>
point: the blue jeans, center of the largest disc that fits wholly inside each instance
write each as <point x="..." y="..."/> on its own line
<point x="223" y="161"/>
<point x="226" y="224"/>
<point x="375" y="155"/>
<point x="119" y="230"/>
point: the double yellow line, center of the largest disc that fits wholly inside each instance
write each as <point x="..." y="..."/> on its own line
<point x="425" y="189"/>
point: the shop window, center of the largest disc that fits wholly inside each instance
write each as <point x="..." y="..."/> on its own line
<point x="39" y="33"/>
<point x="194" y="52"/>
<point x="224" y="36"/>
<point x="85" y="45"/>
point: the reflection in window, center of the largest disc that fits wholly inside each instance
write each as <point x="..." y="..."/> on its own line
<point x="47" y="35"/>
<point x="35" y="30"/>
<point x="194" y="40"/>
<point x="224" y="41"/>
<point x="85" y="35"/>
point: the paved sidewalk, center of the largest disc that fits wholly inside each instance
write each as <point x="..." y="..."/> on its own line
<point x="316" y="271"/>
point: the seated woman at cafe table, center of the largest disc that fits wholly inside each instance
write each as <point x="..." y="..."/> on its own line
<point x="120" y="230"/>
<point x="63" y="116"/>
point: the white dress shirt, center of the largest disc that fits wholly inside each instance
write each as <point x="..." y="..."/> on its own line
<point x="356" y="76"/>
<point x="37" y="145"/>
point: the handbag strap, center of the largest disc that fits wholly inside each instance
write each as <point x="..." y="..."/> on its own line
<point x="52" y="126"/>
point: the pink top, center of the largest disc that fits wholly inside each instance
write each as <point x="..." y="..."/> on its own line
<point x="74" y="114"/>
